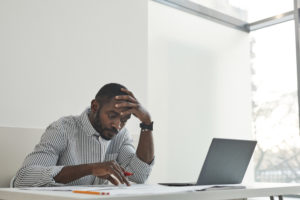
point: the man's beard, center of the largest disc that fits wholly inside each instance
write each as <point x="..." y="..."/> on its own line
<point x="99" y="128"/>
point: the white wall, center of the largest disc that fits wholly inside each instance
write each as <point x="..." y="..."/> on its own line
<point x="54" y="57"/>
<point x="56" y="54"/>
<point x="199" y="88"/>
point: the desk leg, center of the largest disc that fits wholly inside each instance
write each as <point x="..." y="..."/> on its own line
<point x="271" y="198"/>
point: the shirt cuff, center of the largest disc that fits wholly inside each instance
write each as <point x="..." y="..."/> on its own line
<point x="144" y="168"/>
<point x="50" y="173"/>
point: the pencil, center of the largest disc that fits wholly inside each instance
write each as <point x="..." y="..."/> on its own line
<point x="90" y="192"/>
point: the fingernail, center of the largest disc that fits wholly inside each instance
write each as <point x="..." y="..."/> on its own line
<point x="117" y="97"/>
<point x="121" y="113"/>
<point x="117" y="105"/>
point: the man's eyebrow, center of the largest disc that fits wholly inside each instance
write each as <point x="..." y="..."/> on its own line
<point x="114" y="112"/>
<point x="127" y="116"/>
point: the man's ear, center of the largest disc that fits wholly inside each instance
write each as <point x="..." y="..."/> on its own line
<point x="94" y="106"/>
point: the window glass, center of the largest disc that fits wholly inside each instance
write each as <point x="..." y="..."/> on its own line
<point x="275" y="104"/>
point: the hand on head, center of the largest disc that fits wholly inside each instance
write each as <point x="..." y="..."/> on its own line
<point x="133" y="106"/>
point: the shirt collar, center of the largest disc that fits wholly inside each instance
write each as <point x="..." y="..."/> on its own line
<point x="86" y="124"/>
<point x="88" y="128"/>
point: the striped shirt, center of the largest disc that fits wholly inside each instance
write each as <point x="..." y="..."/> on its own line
<point x="72" y="140"/>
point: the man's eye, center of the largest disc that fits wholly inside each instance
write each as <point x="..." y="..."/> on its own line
<point x="124" y="120"/>
<point x="112" y="116"/>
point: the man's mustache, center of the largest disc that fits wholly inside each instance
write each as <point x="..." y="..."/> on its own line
<point x="111" y="130"/>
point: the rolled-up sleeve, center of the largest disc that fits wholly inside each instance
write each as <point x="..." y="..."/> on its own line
<point x="39" y="167"/>
<point x="128" y="159"/>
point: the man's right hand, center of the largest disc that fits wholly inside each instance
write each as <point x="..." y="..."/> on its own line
<point x="111" y="171"/>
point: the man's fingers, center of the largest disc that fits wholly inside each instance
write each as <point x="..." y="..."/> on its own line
<point x="128" y="92"/>
<point x="126" y="104"/>
<point x="117" y="171"/>
<point x="126" y="98"/>
<point x="113" y="180"/>
<point x="117" y="174"/>
<point x="111" y="171"/>
<point x="122" y="170"/>
<point x="126" y="181"/>
<point x="128" y="112"/>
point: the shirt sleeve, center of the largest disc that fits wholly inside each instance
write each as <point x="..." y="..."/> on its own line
<point x="128" y="159"/>
<point x="39" y="167"/>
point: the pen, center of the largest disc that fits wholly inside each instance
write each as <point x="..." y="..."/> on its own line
<point x="128" y="173"/>
<point x="90" y="192"/>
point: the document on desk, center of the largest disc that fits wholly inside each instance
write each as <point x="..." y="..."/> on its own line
<point x="134" y="189"/>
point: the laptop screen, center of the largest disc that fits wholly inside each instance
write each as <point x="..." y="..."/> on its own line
<point x="226" y="161"/>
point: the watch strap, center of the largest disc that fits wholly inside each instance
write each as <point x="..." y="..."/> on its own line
<point x="146" y="127"/>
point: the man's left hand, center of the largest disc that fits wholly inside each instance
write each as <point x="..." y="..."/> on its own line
<point x="134" y="107"/>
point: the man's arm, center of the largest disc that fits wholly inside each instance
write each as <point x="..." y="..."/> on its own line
<point x="145" y="149"/>
<point x="71" y="173"/>
<point x="103" y="170"/>
<point x="39" y="167"/>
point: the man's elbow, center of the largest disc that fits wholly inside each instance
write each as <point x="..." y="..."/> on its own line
<point x="19" y="181"/>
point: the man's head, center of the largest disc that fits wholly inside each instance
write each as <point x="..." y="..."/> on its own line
<point x="104" y="116"/>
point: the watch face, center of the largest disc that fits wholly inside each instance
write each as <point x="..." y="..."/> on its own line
<point x="145" y="126"/>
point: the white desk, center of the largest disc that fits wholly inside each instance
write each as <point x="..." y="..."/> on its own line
<point x="259" y="190"/>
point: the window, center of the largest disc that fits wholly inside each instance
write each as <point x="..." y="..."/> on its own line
<point x="275" y="104"/>
<point x="246" y="10"/>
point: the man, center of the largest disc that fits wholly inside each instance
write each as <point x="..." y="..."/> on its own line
<point x="92" y="148"/>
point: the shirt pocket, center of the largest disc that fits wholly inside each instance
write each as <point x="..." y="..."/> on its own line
<point x="111" y="156"/>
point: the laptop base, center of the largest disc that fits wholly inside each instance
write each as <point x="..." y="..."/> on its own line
<point x="178" y="184"/>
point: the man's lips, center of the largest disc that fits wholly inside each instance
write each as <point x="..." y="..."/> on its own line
<point x="115" y="131"/>
<point x="111" y="132"/>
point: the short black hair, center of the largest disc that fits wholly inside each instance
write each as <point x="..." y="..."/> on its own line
<point x="109" y="91"/>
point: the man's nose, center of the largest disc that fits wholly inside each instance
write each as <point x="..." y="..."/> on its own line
<point x="117" y="124"/>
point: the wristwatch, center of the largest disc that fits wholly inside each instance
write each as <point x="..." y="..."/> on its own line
<point x="146" y="127"/>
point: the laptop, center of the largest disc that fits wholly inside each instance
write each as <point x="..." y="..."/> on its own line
<point x="226" y="162"/>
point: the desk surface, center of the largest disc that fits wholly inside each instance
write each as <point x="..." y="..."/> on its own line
<point x="258" y="190"/>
